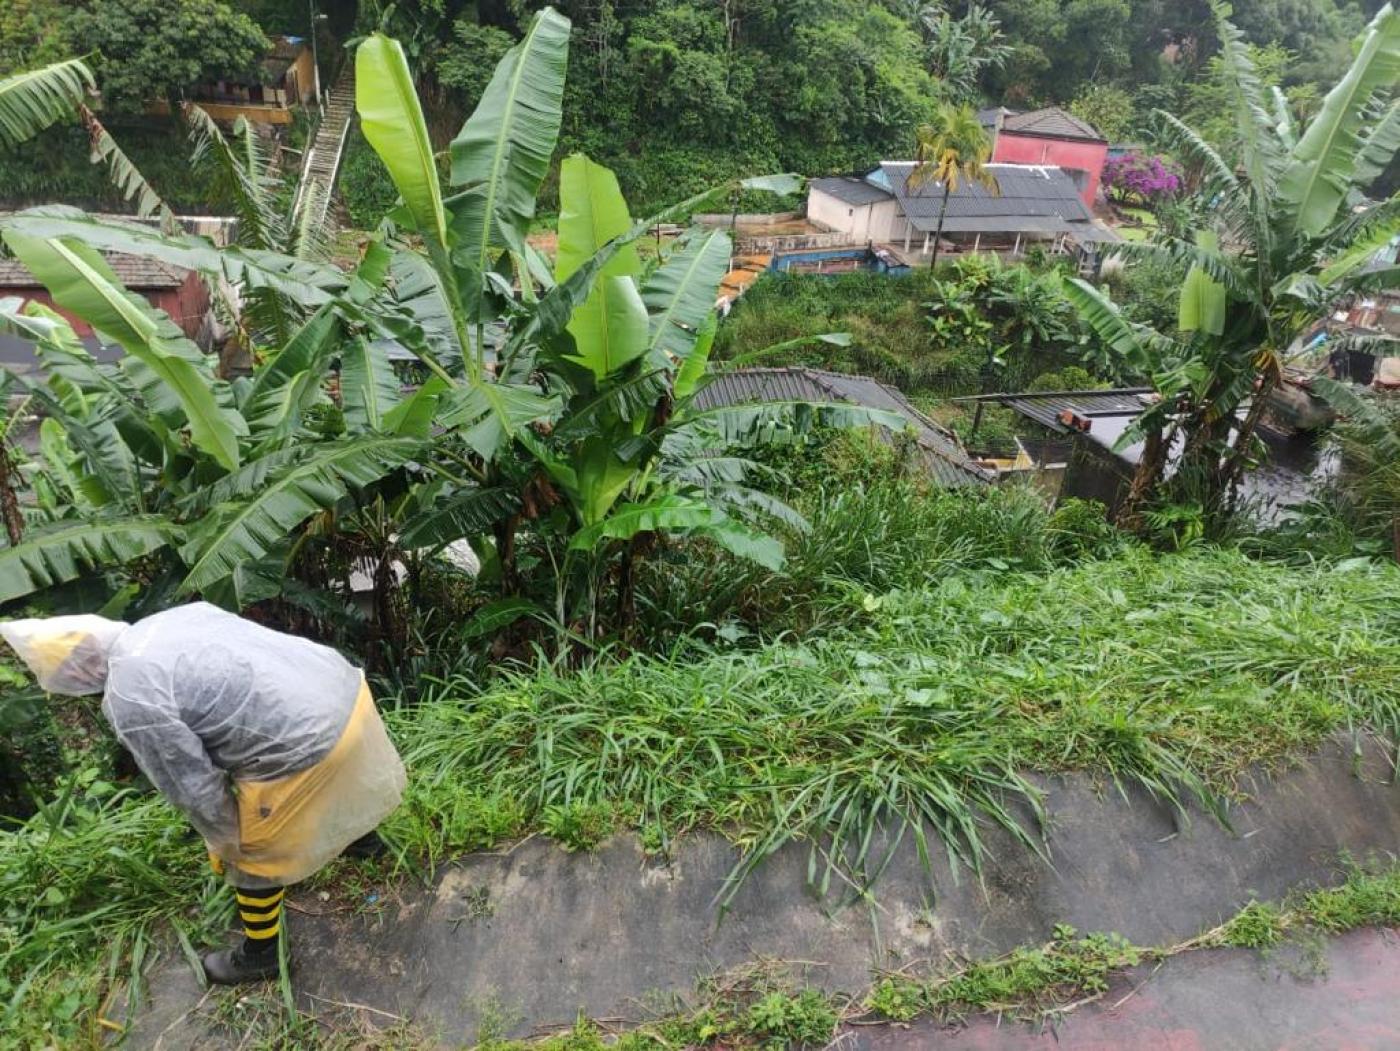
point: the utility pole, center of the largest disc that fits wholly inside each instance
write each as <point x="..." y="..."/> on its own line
<point x="315" y="57"/>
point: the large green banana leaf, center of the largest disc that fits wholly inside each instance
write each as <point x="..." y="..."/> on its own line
<point x="491" y="413"/>
<point x="368" y="386"/>
<point x="66" y="551"/>
<point x="465" y="513"/>
<point x="1260" y="148"/>
<point x="246" y="528"/>
<point x="502" y="153"/>
<point x="1201" y="306"/>
<point x="1131" y="342"/>
<point x="672" y="512"/>
<point x="681" y="294"/>
<point x="392" y="121"/>
<point x="32" y="100"/>
<point x="75" y="279"/>
<point x="300" y="281"/>
<point x="125" y="176"/>
<point x="1379" y="147"/>
<point x="1322" y="166"/>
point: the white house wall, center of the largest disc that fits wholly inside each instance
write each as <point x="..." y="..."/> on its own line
<point x="827" y="211"/>
<point x="878" y="222"/>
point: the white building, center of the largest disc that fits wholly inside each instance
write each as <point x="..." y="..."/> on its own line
<point x="1032" y="202"/>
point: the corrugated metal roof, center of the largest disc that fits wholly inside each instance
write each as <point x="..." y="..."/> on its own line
<point x="1051" y="122"/>
<point x="1045" y="407"/>
<point x="852" y="191"/>
<point x="136" y="272"/>
<point x="942" y="457"/>
<point x="1033" y="198"/>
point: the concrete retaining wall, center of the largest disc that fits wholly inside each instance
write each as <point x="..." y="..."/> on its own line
<point x="603" y="932"/>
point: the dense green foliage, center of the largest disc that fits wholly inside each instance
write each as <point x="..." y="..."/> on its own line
<point x="56" y="166"/>
<point x="153" y="48"/>
<point x="1275" y="243"/>
<point x="676" y="95"/>
<point x="972" y="326"/>
<point x="141" y="49"/>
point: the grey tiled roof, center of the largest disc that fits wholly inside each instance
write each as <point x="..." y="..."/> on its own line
<point x="942" y="457"/>
<point x="1051" y="122"/>
<point x="851" y="190"/>
<point x="1032" y="198"/>
<point x="135" y="272"/>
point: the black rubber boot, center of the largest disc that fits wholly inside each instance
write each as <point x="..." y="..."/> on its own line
<point x="367" y="846"/>
<point x="235" y="966"/>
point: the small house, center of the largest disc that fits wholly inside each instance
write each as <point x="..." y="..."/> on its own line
<point x="1031" y="203"/>
<point x="285" y="79"/>
<point x="1098" y="463"/>
<point x="1049" y="136"/>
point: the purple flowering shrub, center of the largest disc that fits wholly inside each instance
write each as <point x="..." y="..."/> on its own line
<point x="1143" y="178"/>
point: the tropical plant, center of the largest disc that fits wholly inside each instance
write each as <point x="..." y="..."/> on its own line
<point x="952" y="148"/>
<point x="272" y="217"/>
<point x="1148" y="179"/>
<point x="961" y="50"/>
<point x="558" y="398"/>
<point x="35" y="99"/>
<point x="1288" y="236"/>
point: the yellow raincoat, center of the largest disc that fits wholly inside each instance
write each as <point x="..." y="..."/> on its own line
<point x="270" y="744"/>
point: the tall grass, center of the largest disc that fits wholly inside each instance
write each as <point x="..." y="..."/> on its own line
<point x="83" y="884"/>
<point x="926" y="711"/>
<point x="918" y="715"/>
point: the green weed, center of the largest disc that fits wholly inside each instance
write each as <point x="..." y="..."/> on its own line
<point x="1038" y="979"/>
<point x="782" y="1021"/>
<point x="578" y="825"/>
<point x="1259" y="925"/>
<point x="897" y="999"/>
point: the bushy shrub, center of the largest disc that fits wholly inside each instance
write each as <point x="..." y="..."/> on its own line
<point x="364" y="184"/>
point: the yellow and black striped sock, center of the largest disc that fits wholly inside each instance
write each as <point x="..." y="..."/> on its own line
<point x="261" y="913"/>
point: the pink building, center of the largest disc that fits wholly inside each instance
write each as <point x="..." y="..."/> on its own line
<point x="1049" y="136"/>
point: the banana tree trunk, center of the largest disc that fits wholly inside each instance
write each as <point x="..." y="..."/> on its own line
<point x="938" y="235"/>
<point x="627" y="588"/>
<point x="1232" y="469"/>
<point x="9" y="504"/>
<point x="1146" y="477"/>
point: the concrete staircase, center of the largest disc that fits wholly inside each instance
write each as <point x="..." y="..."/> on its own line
<point x="321" y="164"/>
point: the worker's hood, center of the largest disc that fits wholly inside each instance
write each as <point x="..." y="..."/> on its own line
<point x="68" y="655"/>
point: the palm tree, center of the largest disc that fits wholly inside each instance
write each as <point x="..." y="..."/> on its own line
<point x="952" y="148"/>
<point x="1285" y="239"/>
<point x="32" y="100"/>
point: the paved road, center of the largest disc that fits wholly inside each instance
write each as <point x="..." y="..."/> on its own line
<point x="1345" y="996"/>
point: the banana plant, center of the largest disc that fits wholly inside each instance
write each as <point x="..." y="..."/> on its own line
<point x="1290" y="235"/>
<point x="630" y="457"/>
<point x="163" y="459"/>
<point x="34" y="99"/>
<point x="560" y="400"/>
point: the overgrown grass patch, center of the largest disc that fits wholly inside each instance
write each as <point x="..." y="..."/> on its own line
<point x="922" y="710"/>
<point x="926" y="710"/>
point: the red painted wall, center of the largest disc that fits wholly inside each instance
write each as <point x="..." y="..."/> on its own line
<point x="1089" y="157"/>
<point x="186" y="305"/>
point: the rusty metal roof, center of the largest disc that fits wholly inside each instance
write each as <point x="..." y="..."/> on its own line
<point x="1045" y="407"/>
<point x="134" y="272"/>
<point x="945" y="461"/>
